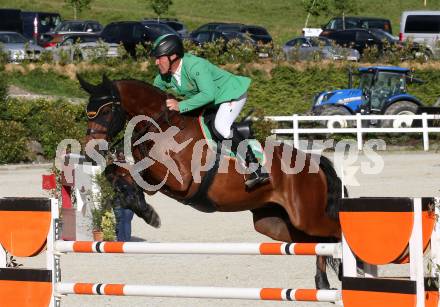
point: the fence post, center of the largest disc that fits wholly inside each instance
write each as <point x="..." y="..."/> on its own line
<point x="3" y="256"/>
<point x="359" y="131"/>
<point x="425" y="131"/>
<point x="295" y="131"/>
<point x="435" y="242"/>
<point x="416" y="252"/>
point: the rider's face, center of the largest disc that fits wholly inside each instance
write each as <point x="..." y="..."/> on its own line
<point x="163" y="63"/>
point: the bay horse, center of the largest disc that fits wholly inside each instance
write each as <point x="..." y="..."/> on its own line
<point x="300" y="207"/>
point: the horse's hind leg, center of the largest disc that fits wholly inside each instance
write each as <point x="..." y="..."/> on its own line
<point x="273" y="221"/>
<point x="321" y="280"/>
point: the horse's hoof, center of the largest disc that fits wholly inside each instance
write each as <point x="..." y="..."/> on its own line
<point x="321" y="282"/>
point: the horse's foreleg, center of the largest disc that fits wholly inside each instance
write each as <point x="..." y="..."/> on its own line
<point x="273" y="221"/>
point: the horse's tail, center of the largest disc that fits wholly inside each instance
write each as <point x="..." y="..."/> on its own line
<point x="334" y="188"/>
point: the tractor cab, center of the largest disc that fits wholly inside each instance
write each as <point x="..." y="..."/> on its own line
<point x="378" y="90"/>
<point x="380" y="85"/>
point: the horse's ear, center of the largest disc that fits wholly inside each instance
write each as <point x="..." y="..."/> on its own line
<point x="89" y="88"/>
<point x="108" y="84"/>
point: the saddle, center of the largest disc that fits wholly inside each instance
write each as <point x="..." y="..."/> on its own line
<point x="241" y="129"/>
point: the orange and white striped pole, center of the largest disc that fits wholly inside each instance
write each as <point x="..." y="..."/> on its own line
<point x="272" y="248"/>
<point x="269" y="294"/>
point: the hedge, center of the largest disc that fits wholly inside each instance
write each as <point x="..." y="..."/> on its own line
<point x="276" y="89"/>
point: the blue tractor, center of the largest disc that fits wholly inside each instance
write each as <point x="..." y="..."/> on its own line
<point x="381" y="90"/>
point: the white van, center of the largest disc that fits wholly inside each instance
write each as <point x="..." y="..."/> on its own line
<point x="422" y="27"/>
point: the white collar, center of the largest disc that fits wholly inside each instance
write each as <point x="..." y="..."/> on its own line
<point x="178" y="73"/>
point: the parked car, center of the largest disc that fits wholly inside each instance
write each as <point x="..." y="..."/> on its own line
<point x="83" y="47"/>
<point x="262" y="50"/>
<point x="309" y="48"/>
<point x="422" y="27"/>
<point x="45" y="23"/>
<point x="175" y="24"/>
<point x="352" y="22"/>
<point x="209" y="26"/>
<point x="202" y="37"/>
<point x="70" y="27"/>
<point x="207" y="36"/>
<point x="78" y="26"/>
<point x="19" y="47"/>
<point x="360" y="39"/>
<point x="129" y="33"/>
<point x="257" y="33"/>
<point x="156" y="28"/>
<point x="10" y="20"/>
<point x="33" y="25"/>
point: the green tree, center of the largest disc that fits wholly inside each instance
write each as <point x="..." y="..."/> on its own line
<point x="343" y="7"/>
<point x="314" y="8"/>
<point x="329" y="7"/>
<point x="160" y="7"/>
<point x="78" y="6"/>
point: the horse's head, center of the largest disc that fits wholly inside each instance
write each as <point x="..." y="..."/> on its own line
<point x="104" y="112"/>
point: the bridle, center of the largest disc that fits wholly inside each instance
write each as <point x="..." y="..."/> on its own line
<point x="118" y="112"/>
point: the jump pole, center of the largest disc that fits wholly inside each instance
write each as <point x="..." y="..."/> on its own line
<point x="267" y="294"/>
<point x="269" y="248"/>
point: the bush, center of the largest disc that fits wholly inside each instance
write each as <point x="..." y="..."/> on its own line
<point x="50" y="122"/>
<point x="3" y="88"/>
<point x="239" y="52"/>
<point x="13" y="142"/>
<point x="47" y="122"/>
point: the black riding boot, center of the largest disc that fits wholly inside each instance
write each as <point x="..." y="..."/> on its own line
<point x="259" y="176"/>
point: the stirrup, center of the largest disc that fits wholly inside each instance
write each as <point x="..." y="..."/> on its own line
<point x="256" y="178"/>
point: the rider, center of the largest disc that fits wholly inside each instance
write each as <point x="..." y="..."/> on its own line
<point x="202" y="83"/>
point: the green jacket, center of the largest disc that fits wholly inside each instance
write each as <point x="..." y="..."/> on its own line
<point x="203" y="83"/>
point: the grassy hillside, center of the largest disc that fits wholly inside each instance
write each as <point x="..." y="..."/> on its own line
<point x="283" y="18"/>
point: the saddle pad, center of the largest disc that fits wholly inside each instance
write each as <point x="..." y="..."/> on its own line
<point x="212" y="143"/>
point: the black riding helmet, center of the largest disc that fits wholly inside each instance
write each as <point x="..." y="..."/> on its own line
<point x="168" y="45"/>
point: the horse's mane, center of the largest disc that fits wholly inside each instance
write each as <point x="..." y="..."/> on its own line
<point x="148" y="86"/>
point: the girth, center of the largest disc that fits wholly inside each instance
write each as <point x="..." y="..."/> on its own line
<point x="200" y="199"/>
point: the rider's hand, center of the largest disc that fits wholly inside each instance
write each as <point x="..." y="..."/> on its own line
<point x="172" y="104"/>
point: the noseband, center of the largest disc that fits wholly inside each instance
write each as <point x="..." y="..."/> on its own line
<point x="116" y="111"/>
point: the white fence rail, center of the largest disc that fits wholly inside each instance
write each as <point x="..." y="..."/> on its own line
<point x="357" y="119"/>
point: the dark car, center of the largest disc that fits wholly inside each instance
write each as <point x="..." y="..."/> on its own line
<point x="10" y="20"/>
<point x="360" y="39"/>
<point x="337" y="23"/>
<point x="206" y="36"/>
<point x="209" y="26"/>
<point x="257" y="33"/>
<point x="175" y="24"/>
<point x="158" y="27"/>
<point x="202" y="37"/>
<point x="129" y="33"/>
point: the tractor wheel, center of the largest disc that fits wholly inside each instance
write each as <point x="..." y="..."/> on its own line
<point x="337" y="122"/>
<point x="400" y="108"/>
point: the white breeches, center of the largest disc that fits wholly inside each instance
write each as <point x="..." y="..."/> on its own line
<point x="226" y="114"/>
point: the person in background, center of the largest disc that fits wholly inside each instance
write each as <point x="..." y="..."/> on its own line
<point x="129" y="199"/>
